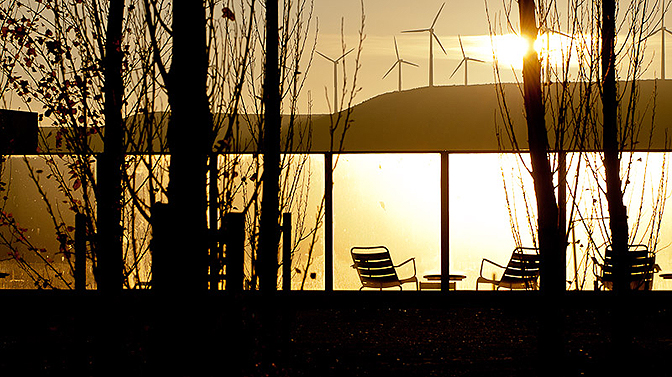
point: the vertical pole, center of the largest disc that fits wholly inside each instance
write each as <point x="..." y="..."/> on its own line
<point x="562" y="202"/>
<point x="286" y="251"/>
<point x="548" y="56"/>
<point x="335" y="86"/>
<point x="431" y="59"/>
<point x="445" y="222"/>
<point x="80" y="252"/>
<point x="159" y="246"/>
<point x="234" y="226"/>
<point x="213" y="207"/>
<point x="328" y="223"/>
<point x="662" y="43"/>
<point x="400" y="64"/>
<point x="466" y="64"/>
<point x="80" y="286"/>
<point x="576" y="266"/>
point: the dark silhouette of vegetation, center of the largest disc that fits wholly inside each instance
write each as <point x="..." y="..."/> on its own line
<point x="552" y="266"/>
<point x="269" y="228"/>
<point x="612" y="163"/>
<point x="583" y="110"/>
<point x="63" y="48"/>
<point x="111" y="161"/>
<point x="547" y="207"/>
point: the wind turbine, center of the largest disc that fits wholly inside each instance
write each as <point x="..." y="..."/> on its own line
<point x="548" y="31"/>
<point x="662" y="29"/>
<point x="465" y="60"/>
<point x="432" y="36"/>
<point x="335" y="61"/>
<point x="399" y="63"/>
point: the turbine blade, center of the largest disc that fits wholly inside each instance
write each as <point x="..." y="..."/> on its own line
<point x="409" y="63"/>
<point x="559" y="32"/>
<point x="461" y="47"/>
<point x="437" y="15"/>
<point x="415" y="30"/>
<point x="440" y="45"/>
<point x="326" y="57"/>
<point x="342" y="56"/>
<point x="391" y="68"/>
<point x="396" y="49"/>
<point x="547" y="30"/>
<point x="458" y="67"/>
<point x="563" y="34"/>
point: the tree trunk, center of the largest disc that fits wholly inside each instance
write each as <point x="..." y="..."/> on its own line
<point x="551" y="248"/>
<point x="181" y="240"/>
<point x="622" y="313"/>
<point x="109" y="246"/>
<point x="618" y="222"/>
<point x="270" y="212"/>
<point x="550" y="239"/>
<point x="189" y="131"/>
<point x="109" y="274"/>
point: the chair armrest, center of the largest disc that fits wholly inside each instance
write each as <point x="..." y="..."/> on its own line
<point x="596" y="264"/>
<point x="480" y="272"/>
<point x="406" y="261"/>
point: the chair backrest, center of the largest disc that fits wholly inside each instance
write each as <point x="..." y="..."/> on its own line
<point x="374" y="266"/>
<point x="522" y="272"/>
<point x="639" y="263"/>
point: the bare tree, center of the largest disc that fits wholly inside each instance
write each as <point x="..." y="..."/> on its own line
<point x="552" y="266"/>
<point x="111" y="161"/>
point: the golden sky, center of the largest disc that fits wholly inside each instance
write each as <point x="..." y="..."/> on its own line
<point x="386" y="19"/>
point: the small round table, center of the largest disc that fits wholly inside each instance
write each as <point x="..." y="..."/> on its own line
<point x="434" y="281"/>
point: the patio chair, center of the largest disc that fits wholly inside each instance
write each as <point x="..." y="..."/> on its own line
<point x="641" y="265"/>
<point x="376" y="270"/>
<point x="522" y="272"/>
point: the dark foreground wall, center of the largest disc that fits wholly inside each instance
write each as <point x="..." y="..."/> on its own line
<point x="316" y="334"/>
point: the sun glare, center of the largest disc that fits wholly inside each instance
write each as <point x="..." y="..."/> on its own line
<point x="509" y="49"/>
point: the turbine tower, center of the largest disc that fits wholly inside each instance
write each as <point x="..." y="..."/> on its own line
<point x="398" y="63"/>
<point x="465" y="60"/>
<point x="548" y="31"/>
<point x="662" y="29"/>
<point x="335" y="61"/>
<point x="432" y="36"/>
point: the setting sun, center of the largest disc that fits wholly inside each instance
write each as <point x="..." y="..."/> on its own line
<point x="509" y="49"/>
